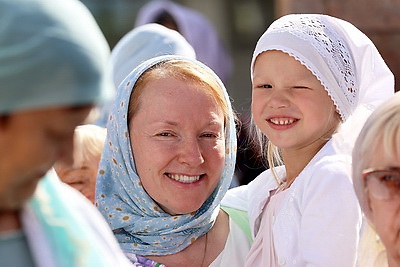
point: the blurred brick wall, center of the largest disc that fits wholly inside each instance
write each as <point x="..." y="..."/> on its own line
<point x="378" y="19"/>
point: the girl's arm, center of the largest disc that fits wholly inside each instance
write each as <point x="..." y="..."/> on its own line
<point x="331" y="218"/>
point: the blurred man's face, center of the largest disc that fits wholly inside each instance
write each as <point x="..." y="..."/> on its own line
<point x="30" y="143"/>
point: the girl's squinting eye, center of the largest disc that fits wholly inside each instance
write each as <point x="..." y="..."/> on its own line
<point x="301" y="87"/>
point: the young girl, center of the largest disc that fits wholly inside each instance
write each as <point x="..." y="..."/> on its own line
<point x="314" y="77"/>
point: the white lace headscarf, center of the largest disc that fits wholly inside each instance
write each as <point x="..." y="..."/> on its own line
<point x="343" y="59"/>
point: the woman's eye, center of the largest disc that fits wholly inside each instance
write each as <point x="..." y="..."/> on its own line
<point x="211" y="135"/>
<point x="386" y="178"/>
<point x="164" y="134"/>
<point x="265" y="86"/>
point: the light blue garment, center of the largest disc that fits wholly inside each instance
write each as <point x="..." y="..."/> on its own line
<point x="52" y="53"/>
<point x="140" y="227"/>
<point x="64" y="229"/>
<point x="145" y="42"/>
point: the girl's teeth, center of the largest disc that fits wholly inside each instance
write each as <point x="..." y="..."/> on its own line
<point x="184" y="178"/>
<point x="282" y="121"/>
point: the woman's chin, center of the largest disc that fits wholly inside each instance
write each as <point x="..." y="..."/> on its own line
<point x="186" y="209"/>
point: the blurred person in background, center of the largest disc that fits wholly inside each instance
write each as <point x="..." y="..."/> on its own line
<point x="53" y="70"/>
<point x="197" y="30"/>
<point x="82" y="172"/>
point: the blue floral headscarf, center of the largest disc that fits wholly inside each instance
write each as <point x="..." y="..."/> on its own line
<point x="140" y="226"/>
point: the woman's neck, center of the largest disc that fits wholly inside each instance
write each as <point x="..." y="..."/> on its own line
<point x="204" y="250"/>
<point x="9" y="221"/>
<point x="393" y="262"/>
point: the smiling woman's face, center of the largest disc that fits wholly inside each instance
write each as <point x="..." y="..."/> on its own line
<point x="178" y="142"/>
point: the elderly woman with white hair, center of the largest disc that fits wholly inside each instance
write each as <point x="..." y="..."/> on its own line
<point x="376" y="176"/>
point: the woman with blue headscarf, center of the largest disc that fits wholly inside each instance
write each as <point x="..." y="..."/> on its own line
<point x="53" y="70"/>
<point x="168" y="161"/>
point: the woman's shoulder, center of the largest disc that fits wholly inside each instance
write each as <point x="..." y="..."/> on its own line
<point x="237" y="244"/>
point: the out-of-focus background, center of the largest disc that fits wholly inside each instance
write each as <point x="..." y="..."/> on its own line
<point x="241" y="22"/>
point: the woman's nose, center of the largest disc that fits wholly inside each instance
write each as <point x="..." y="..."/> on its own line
<point x="190" y="153"/>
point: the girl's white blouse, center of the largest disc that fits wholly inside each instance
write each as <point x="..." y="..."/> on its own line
<point x="320" y="218"/>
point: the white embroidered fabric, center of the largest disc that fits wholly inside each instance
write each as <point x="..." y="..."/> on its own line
<point x="329" y="44"/>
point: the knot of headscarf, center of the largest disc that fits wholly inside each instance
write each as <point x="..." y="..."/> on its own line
<point x="139" y="224"/>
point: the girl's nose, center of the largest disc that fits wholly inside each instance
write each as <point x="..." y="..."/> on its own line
<point x="190" y="153"/>
<point x="278" y="99"/>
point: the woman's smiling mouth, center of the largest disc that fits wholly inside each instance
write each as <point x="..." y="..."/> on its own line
<point x="184" y="178"/>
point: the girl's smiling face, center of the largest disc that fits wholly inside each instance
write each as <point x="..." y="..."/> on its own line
<point x="289" y="104"/>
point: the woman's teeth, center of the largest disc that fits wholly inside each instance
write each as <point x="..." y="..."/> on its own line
<point x="184" y="178"/>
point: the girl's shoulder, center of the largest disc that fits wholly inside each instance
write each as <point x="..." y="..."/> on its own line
<point x="328" y="169"/>
<point x="328" y="161"/>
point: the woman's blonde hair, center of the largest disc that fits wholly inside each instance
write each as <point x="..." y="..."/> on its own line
<point x="181" y="70"/>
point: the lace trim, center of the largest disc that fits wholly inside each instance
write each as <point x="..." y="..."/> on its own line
<point x="330" y="45"/>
